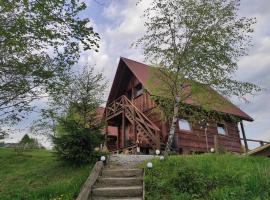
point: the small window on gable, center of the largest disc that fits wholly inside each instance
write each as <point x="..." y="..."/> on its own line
<point x="221" y="129"/>
<point x="138" y="90"/>
<point x="184" y="125"/>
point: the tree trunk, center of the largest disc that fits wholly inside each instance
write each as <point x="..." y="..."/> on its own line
<point x="173" y="125"/>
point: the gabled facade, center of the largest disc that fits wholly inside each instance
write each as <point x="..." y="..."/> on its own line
<point x="138" y="126"/>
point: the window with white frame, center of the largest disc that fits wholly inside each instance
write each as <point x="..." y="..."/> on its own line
<point x="184" y="125"/>
<point x="221" y="129"/>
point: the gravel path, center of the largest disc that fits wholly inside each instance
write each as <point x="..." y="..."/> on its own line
<point x="128" y="161"/>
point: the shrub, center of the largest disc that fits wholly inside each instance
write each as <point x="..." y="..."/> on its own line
<point x="76" y="143"/>
<point x="28" y="143"/>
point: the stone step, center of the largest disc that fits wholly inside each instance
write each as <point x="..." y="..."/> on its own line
<point x="122" y="173"/>
<point x="118" y="181"/>
<point x="131" y="191"/>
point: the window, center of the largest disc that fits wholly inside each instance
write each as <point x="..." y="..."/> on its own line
<point x="184" y="125"/>
<point x="221" y="129"/>
<point x="138" y="90"/>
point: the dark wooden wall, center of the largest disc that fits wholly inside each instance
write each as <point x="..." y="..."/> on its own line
<point x="195" y="140"/>
<point x="188" y="142"/>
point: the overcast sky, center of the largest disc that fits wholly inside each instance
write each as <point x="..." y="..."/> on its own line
<point x="119" y="24"/>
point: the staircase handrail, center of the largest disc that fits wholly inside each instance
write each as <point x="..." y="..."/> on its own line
<point x="140" y="112"/>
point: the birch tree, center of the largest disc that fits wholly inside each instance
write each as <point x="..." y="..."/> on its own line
<point x="196" y="42"/>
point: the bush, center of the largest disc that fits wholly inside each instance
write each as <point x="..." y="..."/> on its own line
<point x="76" y="143"/>
<point x="28" y="143"/>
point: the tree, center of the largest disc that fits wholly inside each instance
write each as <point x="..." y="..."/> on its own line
<point x="196" y="44"/>
<point x="80" y="97"/>
<point x="78" y="128"/>
<point x="40" y="40"/>
<point x="76" y="143"/>
<point x="29" y="143"/>
<point x="3" y="134"/>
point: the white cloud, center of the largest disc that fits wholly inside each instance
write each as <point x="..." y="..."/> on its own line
<point x="111" y="11"/>
<point x="117" y="37"/>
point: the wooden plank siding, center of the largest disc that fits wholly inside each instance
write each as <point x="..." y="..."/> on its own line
<point x="193" y="141"/>
<point x="196" y="139"/>
<point x="188" y="142"/>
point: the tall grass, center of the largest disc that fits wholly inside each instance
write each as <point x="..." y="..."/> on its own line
<point x="37" y="174"/>
<point x="209" y="177"/>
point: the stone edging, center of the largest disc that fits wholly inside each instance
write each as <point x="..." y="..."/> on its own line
<point x="85" y="193"/>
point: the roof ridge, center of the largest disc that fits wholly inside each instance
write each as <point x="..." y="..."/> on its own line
<point x="134" y="61"/>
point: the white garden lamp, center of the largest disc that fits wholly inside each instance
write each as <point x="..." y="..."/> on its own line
<point x="157" y="152"/>
<point x="161" y="158"/>
<point x="103" y="158"/>
<point x="149" y="165"/>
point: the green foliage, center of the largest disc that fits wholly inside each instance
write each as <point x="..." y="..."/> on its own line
<point x="221" y="149"/>
<point x="199" y="40"/>
<point x="195" y="44"/>
<point x="80" y="98"/>
<point x="28" y="143"/>
<point x="40" y="42"/>
<point x="76" y="143"/>
<point x="209" y="176"/>
<point x="37" y="174"/>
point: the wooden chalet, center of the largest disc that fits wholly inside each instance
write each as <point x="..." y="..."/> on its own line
<point x="134" y="125"/>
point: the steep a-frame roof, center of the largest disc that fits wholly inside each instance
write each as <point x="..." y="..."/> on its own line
<point x="143" y="73"/>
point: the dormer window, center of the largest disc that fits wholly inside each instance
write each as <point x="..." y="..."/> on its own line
<point x="138" y="90"/>
<point x="221" y="128"/>
<point x="184" y="125"/>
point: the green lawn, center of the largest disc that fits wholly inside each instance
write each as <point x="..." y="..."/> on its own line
<point x="209" y="177"/>
<point x="37" y="174"/>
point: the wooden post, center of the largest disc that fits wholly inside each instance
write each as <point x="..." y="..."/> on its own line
<point x="106" y="135"/>
<point x="244" y="135"/>
<point x="134" y="124"/>
<point x="118" y="136"/>
<point x="216" y="143"/>
<point x="123" y="130"/>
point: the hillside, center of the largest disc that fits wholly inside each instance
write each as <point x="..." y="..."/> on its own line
<point x="211" y="177"/>
<point x="37" y="174"/>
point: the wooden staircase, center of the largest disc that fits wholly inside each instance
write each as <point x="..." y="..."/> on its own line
<point x="146" y="131"/>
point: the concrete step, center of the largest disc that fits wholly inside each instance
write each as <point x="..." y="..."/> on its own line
<point x="131" y="191"/>
<point x="122" y="173"/>
<point x="118" y="181"/>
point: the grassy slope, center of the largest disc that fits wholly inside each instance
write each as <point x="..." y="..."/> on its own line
<point x="38" y="175"/>
<point x="211" y="177"/>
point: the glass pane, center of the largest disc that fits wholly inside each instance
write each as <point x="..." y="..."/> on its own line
<point x="184" y="125"/>
<point x="221" y="129"/>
